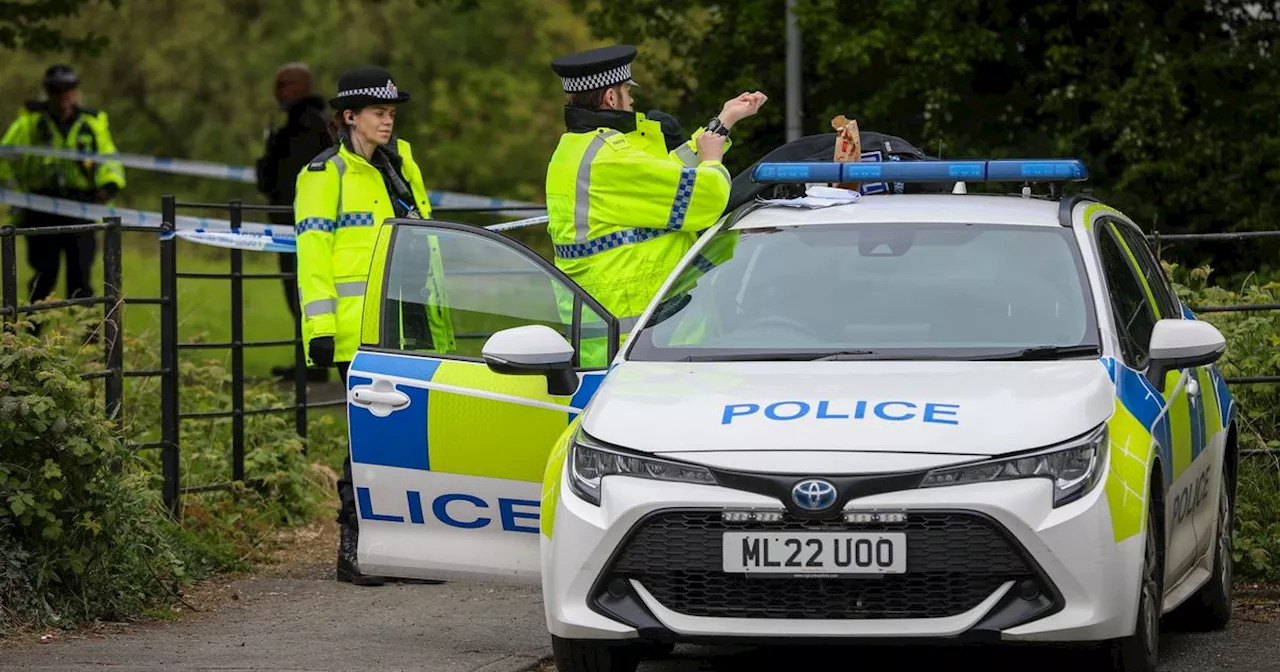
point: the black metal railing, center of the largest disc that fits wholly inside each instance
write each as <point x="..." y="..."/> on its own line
<point x="112" y="300"/>
<point x="172" y="346"/>
<point x="1158" y="239"/>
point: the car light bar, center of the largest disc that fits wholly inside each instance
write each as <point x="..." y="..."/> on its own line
<point x="996" y="170"/>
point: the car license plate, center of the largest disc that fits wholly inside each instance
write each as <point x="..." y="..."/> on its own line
<point x="815" y="553"/>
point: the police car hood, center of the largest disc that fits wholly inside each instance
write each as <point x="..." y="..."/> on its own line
<point x="959" y="408"/>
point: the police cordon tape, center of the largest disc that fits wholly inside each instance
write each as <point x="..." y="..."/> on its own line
<point x="252" y="236"/>
<point x="247" y="175"/>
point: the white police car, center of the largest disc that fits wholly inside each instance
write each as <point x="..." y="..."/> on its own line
<point x="945" y="416"/>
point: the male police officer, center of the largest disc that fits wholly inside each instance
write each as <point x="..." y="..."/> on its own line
<point x="288" y="150"/>
<point x="623" y="208"/>
<point x="60" y="123"/>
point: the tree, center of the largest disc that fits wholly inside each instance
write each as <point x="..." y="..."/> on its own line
<point x="193" y="79"/>
<point x="1171" y="104"/>
<point x="25" y="25"/>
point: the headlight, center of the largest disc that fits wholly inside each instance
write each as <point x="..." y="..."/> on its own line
<point x="1075" y="468"/>
<point x="590" y="462"/>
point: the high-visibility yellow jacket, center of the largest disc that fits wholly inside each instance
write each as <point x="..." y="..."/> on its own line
<point x="341" y="203"/>
<point x="88" y="131"/>
<point x="623" y="210"/>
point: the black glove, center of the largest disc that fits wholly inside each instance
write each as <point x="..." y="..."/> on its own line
<point x="321" y="350"/>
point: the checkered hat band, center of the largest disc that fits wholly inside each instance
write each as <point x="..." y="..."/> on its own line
<point x="376" y="92"/>
<point x="598" y="80"/>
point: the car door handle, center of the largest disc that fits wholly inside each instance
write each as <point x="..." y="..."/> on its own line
<point x="381" y="398"/>
<point x="394" y="398"/>
<point x="388" y="398"/>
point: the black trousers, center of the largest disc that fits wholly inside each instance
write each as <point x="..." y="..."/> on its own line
<point x="346" y="492"/>
<point x="44" y="255"/>
<point x="289" y="264"/>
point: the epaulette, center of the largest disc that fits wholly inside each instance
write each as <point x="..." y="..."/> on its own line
<point x="36" y="105"/>
<point x="317" y="164"/>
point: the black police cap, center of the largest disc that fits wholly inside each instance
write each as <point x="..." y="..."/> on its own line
<point x="369" y="85"/>
<point x="596" y="68"/>
<point x="60" y="78"/>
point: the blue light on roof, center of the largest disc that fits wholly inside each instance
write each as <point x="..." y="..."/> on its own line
<point x="913" y="171"/>
<point x="797" y="172"/>
<point x="1018" y="170"/>
<point x="1003" y="170"/>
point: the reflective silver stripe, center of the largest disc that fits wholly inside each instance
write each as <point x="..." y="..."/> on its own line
<point x="320" y="307"/>
<point x="582" y="196"/>
<point x="687" y="156"/>
<point x="349" y="289"/>
<point x="341" y="164"/>
<point x="724" y="171"/>
<point x="626" y="324"/>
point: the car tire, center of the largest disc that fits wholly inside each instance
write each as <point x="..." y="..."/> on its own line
<point x="1140" y="652"/>
<point x="594" y="655"/>
<point x="1210" y="608"/>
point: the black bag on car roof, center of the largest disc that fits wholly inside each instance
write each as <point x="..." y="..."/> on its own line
<point x="821" y="148"/>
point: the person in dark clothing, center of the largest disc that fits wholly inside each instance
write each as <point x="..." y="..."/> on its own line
<point x="288" y="150"/>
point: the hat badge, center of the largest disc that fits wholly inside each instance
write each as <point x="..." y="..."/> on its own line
<point x="391" y="88"/>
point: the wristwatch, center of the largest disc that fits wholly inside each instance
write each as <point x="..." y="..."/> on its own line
<point x="715" y="126"/>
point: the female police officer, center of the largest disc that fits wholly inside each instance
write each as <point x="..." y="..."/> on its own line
<point x="343" y="197"/>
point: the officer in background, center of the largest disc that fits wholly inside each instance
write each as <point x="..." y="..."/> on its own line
<point x="343" y="197"/>
<point x="624" y="202"/>
<point x="59" y="122"/>
<point x="289" y="149"/>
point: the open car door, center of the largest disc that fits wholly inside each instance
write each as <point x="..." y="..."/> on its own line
<point x="447" y="455"/>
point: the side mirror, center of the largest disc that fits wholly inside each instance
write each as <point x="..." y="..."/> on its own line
<point x="533" y="350"/>
<point x="1178" y="344"/>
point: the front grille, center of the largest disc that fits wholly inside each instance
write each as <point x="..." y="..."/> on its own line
<point x="954" y="562"/>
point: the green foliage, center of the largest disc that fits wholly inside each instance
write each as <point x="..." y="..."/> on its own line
<point x="1170" y="104"/>
<point x="194" y="79"/>
<point x="83" y="533"/>
<point x="25" y="25"/>
<point x="1253" y="349"/>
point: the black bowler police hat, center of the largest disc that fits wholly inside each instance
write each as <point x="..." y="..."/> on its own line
<point x="596" y="68"/>
<point x="366" y="86"/>
<point x="60" y="78"/>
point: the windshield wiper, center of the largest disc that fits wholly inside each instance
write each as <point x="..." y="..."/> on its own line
<point x="1044" y="352"/>
<point x="845" y="355"/>
<point x="782" y="356"/>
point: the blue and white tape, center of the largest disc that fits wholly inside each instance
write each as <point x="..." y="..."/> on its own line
<point x="128" y="217"/>
<point x="252" y="236"/>
<point x="253" y="242"/>
<point x="247" y="175"/>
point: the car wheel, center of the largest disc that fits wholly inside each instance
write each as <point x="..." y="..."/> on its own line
<point x="1210" y="608"/>
<point x="594" y="655"/>
<point x="1140" y="652"/>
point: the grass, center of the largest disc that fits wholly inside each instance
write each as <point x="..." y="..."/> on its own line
<point x="204" y="306"/>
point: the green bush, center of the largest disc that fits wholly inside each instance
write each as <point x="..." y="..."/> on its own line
<point x="1253" y="349"/>
<point x="82" y="534"/>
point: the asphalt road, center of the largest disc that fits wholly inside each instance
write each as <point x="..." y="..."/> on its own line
<point x="314" y="623"/>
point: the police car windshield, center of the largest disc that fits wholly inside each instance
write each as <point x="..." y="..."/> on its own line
<point x="877" y="291"/>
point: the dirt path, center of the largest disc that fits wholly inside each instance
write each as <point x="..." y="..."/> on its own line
<point x="292" y="615"/>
